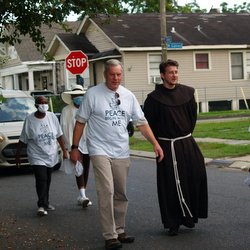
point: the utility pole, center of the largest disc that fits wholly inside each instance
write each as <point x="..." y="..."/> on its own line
<point x="163" y="29"/>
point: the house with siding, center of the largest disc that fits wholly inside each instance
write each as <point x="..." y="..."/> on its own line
<point x="213" y="51"/>
<point x="23" y="67"/>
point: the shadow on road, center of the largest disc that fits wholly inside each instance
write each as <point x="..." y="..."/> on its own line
<point x="15" y="171"/>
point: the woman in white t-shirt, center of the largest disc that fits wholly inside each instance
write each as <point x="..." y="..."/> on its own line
<point x="41" y="132"/>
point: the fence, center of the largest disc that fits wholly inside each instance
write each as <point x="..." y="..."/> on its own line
<point x="234" y="95"/>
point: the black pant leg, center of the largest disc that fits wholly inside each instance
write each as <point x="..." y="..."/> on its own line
<point x="43" y="179"/>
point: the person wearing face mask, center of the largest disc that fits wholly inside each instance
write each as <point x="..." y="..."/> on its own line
<point x="41" y="131"/>
<point x="67" y="120"/>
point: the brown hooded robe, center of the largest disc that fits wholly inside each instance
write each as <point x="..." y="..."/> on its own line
<point x="172" y="113"/>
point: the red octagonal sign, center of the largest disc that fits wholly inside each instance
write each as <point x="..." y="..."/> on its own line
<point x="76" y="62"/>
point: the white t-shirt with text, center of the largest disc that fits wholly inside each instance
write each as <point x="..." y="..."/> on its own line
<point x="41" y="135"/>
<point x="107" y="120"/>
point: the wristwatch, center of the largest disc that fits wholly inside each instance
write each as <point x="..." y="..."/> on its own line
<point x="74" y="147"/>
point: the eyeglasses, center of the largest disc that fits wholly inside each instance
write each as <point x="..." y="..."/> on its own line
<point x="118" y="101"/>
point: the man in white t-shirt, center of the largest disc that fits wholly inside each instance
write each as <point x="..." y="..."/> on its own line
<point x="67" y="120"/>
<point x="41" y="132"/>
<point x="108" y="108"/>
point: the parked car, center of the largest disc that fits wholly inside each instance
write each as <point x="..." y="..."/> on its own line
<point x="35" y="93"/>
<point x="15" y="105"/>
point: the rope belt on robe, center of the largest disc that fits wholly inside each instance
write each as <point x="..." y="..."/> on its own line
<point x="176" y="174"/>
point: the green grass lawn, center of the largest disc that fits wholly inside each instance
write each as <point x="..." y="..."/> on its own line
<point x="237" y="130"/>
<point x="221" y="114"/>
<point x="221" y="150"/>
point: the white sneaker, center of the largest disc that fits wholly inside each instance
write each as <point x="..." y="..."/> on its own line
<point x="84" y="202"/>
<point x="80" y="200"/>
<point x="41" y="211"/>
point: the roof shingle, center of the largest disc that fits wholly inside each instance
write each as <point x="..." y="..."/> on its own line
<point x="143" y="30"/>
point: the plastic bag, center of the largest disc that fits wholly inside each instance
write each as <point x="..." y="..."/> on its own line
<point x="247" y="180"/>
<point x="78" y="169"/>
<point x="69" y="167"/>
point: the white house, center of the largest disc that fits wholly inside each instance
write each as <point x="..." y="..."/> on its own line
<point x="213" y="51"/>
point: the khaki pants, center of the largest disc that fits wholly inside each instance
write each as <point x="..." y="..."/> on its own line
<point x="111" y="177"/>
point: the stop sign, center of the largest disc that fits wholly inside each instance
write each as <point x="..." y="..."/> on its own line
<point x="76" y="62"/>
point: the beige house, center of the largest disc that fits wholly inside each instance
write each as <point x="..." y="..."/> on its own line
<point x="23" y="67"/>
<point x="213" y="51"/>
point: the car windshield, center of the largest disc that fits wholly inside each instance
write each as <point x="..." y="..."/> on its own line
<point x="16" y="109"/>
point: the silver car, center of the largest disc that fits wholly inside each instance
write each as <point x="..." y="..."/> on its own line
<point x="15" y="105"/>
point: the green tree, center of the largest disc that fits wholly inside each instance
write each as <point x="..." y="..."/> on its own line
<point x="143" y="6"/>
<point x="148" y="6"/>
<point x="245" y="7"/>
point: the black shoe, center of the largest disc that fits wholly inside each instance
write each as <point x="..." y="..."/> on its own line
<point x="124" y="238"/>
<point x="189" y="224"/>
<point x="173" y="231"/>
<point x="85" y="202"/>
<point x="112" y="244"/>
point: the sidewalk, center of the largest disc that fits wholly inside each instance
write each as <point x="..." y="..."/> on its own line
<point x="242" y="163"/>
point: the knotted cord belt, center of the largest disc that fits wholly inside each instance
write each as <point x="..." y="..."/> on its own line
<point x="176" y="174"/>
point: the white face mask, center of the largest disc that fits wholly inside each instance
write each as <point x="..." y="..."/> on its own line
<point x="43" y="108"/>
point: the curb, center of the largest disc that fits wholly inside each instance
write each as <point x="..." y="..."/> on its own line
<point x="228" y="163"/>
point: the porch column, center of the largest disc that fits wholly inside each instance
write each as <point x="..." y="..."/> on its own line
<point x="1" y="81"/>
<point x="66" y="79"/>
<point x="31" y="80"/>
<point x="15" y="82"/>
<point x="235" y="105"/>
<point x="54" y="82"/>
<point x="204" y="107"/>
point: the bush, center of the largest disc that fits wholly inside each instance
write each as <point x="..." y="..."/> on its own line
<point x="58" y="103"/>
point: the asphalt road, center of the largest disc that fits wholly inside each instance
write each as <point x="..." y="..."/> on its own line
<point x="71" y="227"/>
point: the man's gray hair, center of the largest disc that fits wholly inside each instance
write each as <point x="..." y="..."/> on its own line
<point x="111" y="63"/>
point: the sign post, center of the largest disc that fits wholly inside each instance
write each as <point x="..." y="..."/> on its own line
<point x="76" y="62"/>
